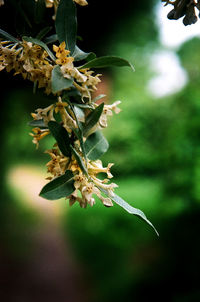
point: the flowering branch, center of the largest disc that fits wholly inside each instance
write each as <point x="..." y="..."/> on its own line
<point x="75" y="120"/>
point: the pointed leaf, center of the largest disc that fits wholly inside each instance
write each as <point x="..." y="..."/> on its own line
<point x="38" y="123"/>
<point x="96" y="145"/>
<point x="61" y="136"/>
<point x="79" y="160"/>
<point x="40" y="43"/>
<point x="122" y="203"/>
<point x="81" y="55"/>
<point x="59" y="187"/>
<point x="43" y="32"/>
<point x="92" y="119"/>
<point x="66" y="23"/>
<point x="58" y="82"/>
<point x="51" y="39"/>
<point x="8" y="37"/>
<point x="107" y="61"/>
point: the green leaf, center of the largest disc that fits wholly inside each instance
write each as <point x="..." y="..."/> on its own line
<point x="7" y="36"/>
<point x="40" y="43"/>
<point x="38" y="123"/>
<point x="122" y="203"/>
<point x="107" y="61"/>
<point x="42" y="33"/>
<point x="80" y="55"/>
<point x="100" y="96"/>
<point x="59" y="187"/>
<point x="79" y="160"/>
<point x="58" y="82"/>
<point x="51" y="39"/>
<point x="61" y="136"/>
<point x="92" y="119"/>
<point x="96" y="145"/>
<point x="66" y="23"/>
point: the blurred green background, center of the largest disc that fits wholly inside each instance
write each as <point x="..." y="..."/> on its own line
<point x="49" y="252"/>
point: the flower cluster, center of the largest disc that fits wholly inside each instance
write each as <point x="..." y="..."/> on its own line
<point x="75" y="117"/>
<point x="33" y="63"/>
<point x="85" y="186"/>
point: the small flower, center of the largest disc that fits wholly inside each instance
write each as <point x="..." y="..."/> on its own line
<point x="38" y="135"/>
<point x="81" y="2"/>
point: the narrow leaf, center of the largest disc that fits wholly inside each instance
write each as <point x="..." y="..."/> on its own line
<point x="58" y="82"/>
<point x="61" y="136"/>
<point x="59" y="187"/>
<point x="66" y="23"/>
<point x="43" y="32"/>
<point x="100" y="96"/>
<point x="92" y="119"/>
<point x="80" y="55"/>
<point x="40" y="43"/>
<point x="79" y="160"/>
<point x="51" y="39"/>
<point x="96" y="145"/>
<point x="107" y="61"/>
<point x="122" y="203"/>
<point x="8" y="37"/>
<point x="38" y="123"/>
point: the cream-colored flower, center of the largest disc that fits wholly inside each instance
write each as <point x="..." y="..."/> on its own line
<point x="81" y="2"/>
<point x="38" y="134"/>
<point x="108" y="111"/>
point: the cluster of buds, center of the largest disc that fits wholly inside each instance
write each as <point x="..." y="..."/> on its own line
<point x="183" y="8"/>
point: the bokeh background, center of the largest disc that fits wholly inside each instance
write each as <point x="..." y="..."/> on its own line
<point x="50" y="252"/>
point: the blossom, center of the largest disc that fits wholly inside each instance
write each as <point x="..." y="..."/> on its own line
<point x="108" y="111"/>
<point x="81" y="2"/>
<point x="38" y="135"/>
<point x="58" y="163"/>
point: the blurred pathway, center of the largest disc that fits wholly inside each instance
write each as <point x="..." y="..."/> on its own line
<point x="51" y="274"/>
